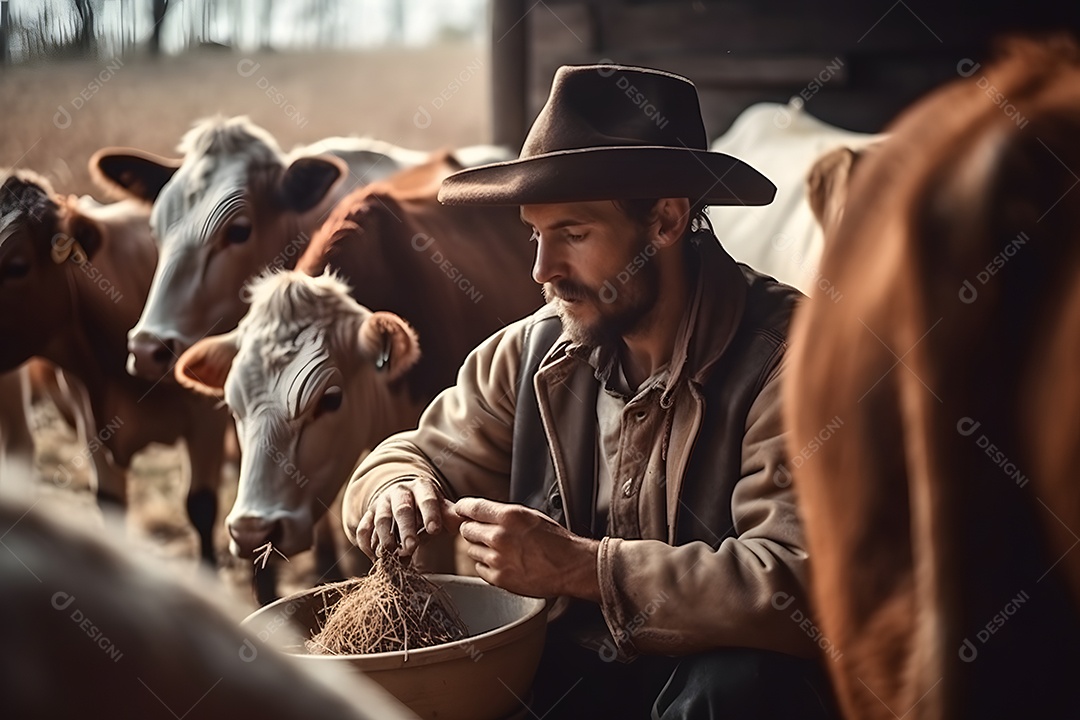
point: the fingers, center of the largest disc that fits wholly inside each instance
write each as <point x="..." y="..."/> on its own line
<point x="429" y="501"/>
<point x="385" y="537"/>
<point x="482" y="555"/>
<point x="487" y="511"/>
<point x="403" y="504"/>
<point x="364" y="532"/>
<point x="451" y="521"/>
<point x="398" y="516"/>
<point x="483" y="534"/>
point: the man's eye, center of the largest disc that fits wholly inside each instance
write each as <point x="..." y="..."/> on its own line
<point x="574" y="238"/>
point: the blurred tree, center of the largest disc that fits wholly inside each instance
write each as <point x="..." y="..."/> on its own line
<point x="158" y="8"/>
<point x="5" y="29"/>
<point x="84" y="32"/>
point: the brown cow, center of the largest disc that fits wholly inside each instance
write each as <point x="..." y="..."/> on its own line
<point x="307" y="389"/>
<point x="933" y="412"/>
<point x="74" y="276"/>
<point x="90" y="630"/>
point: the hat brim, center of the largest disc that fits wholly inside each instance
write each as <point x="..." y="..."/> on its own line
<point x="611" y="173"/>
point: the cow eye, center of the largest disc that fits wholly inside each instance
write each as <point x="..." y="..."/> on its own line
<point x="329" y="402"/>
<point x="14" y="269"/>
<point x="238" y="231"/>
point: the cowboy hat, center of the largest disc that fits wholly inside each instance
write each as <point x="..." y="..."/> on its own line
<point x="612" y="132"/>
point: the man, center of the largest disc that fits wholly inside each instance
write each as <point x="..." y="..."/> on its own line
<point x="621" y="449"/>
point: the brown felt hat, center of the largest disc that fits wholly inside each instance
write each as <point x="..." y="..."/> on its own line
<point x="612" y="132"/>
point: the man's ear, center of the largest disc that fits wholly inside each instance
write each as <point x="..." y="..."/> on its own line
<point x="307" y="180"/>
<point x="132" y="173"/>
<point x="205" y="365"/>
<point x="673" y="215"/>
<point x="390" y="343"/>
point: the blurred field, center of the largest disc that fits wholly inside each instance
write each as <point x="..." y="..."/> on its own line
<point x="149" y="105"/>
<point x="56" y="115"/>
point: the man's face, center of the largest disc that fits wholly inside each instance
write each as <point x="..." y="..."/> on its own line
<point x="597" y="266"/>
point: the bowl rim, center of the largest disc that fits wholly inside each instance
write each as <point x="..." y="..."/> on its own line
<point x="482" y="642"/>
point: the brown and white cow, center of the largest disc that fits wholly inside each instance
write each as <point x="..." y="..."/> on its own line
<point x="935" y="410"/>
<point x="303" y="369"/>
<point x="92" y="630"/>
<point x="73" y="277"/>
<point x="234" y="205"/>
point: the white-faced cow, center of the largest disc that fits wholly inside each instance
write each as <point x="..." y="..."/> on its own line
<point x="73" y="277"/>
<point x="312" y="378"/>
<point x="305" y="381"/>
<point x="234" y="205"/>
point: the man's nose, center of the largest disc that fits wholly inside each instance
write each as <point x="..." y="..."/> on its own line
<point x="545" y="268"/>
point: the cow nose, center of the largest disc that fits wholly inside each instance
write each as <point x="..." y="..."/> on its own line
<point x="150" y="356"/>
<point x="251" y="533"/>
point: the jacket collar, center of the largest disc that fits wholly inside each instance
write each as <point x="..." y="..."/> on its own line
<point x="707" y="327"/>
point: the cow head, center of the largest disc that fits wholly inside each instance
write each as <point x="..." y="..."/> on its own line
<point x="234" y="205"/>
<point x="34" y="290"/>
<point x="310" y="377"/>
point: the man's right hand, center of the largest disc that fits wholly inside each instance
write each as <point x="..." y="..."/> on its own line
<point x="399" y="513"/>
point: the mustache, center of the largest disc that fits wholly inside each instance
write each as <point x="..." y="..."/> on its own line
<point x="567" y="290"/>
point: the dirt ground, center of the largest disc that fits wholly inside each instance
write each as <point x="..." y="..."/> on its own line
<point x="57" y="115"/>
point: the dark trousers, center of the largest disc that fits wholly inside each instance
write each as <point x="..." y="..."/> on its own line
<point x="731" y="683"/>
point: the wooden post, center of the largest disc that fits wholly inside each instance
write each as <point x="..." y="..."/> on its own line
<point x="509" y="51"/>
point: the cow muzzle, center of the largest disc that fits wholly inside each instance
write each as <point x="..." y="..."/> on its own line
<point x="151" y="357"/>
<point x="250" y="533"/>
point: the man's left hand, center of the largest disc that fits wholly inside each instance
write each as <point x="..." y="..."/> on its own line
<point x="526" y="552"/>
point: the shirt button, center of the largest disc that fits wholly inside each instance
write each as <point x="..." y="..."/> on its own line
<point x="628" y="486"/>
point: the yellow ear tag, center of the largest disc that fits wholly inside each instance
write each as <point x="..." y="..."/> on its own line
<point x="68" y="247"/>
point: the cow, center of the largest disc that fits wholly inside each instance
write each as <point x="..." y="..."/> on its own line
<point x="16" y="441"/>
<point x="311" y="397"/>
<point x="73" y="277"/>
<point x="91" y="629"/>
<point x="782" y="239"/>
<point x="233" y="205"/>
<point x="933" y="412"/>
<point x="302" y="376"/>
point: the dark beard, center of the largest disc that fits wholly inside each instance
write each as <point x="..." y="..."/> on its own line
<point x="630" y="304"/>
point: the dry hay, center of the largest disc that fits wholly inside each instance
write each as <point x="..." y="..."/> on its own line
<point x="394" y="608"/>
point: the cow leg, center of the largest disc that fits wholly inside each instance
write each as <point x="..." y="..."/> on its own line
<point x="206" y="453"/>
<point x="16" y="442"/>
<point x="108" y="480"/>
<point x="327" y="568"/>
<point x="264" y="582"/>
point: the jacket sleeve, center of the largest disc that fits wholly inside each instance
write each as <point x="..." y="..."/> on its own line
<point x="749" y="592"/>
<point x="463" y="440"/>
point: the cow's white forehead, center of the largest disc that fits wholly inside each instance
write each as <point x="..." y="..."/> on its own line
<point x="218" y="153"/>
<point x="288" y="337"/>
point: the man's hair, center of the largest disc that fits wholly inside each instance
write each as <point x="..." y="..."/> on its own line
<point x="642" y="212"/>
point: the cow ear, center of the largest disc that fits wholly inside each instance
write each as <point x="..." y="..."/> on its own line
<point x="390" y="343"/>
<point x="826" y="185"/>
<point x="132" y="173"/>
<point x="86" y="233"/>
<point x="306" y="182"/>
<point x="205" y="365"/>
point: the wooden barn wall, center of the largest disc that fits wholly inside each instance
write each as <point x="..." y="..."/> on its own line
<point x="856" y="64"/>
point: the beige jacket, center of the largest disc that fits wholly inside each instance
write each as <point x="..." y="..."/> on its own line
<point x="738" y="574"/>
